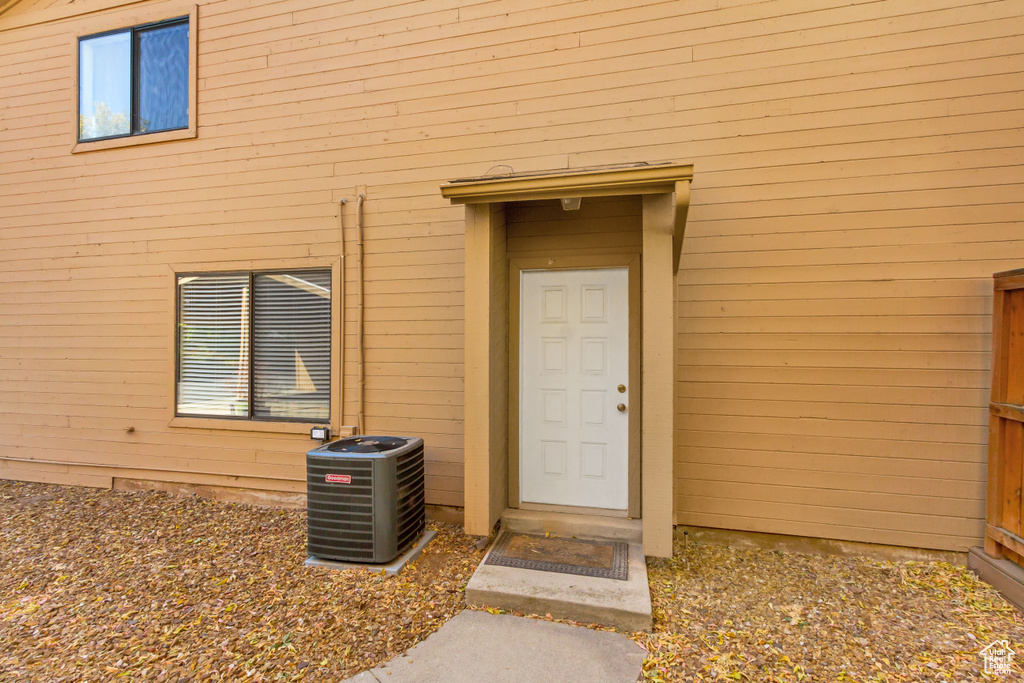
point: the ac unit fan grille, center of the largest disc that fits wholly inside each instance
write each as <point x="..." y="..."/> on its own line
<point x="411" y="515"/>
<point x="340" y="521"/>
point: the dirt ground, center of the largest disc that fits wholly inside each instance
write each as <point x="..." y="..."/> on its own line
<point x="728" y="614"/>
<point x="104" y="585"/>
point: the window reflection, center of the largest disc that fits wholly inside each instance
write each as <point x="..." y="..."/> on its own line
<point x="104" y="86"/>
<point x="163" y="78"/>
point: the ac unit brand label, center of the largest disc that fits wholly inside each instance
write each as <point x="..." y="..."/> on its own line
<point x="338" y="478"/>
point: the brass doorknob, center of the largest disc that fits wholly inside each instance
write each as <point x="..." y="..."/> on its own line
<point x="622" y="388"/>
<point x="621" y="407"/>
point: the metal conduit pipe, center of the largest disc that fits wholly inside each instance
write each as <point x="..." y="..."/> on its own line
<point x="341" y="366"/>
<point x="361" y="417"/>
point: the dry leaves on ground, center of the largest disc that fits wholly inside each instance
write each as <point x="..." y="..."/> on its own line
<point x="104" y="585"/>
<point x="727" y="614"/>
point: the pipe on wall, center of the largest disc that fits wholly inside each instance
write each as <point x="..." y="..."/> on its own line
<point x="341" y="366"/>
<point x="361" y="416"/>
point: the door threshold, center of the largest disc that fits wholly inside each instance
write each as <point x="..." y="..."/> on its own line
<point x="571" y="525"/>
<point x="573" y="510"/>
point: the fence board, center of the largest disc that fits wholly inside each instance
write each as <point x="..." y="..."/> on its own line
<point x="1006" y="419"/>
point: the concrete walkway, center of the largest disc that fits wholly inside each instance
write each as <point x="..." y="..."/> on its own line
<point x="499" y="648"/>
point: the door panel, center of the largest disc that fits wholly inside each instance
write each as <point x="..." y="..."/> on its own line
<point x="574" y="353"/>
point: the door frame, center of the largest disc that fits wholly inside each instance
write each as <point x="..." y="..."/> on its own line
<point x="631" y="262"/>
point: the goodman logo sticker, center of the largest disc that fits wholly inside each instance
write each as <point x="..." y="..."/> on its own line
<point x="338" y="478"/>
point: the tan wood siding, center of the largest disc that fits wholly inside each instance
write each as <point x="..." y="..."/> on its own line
<point x="834" y="319"/>
<point x="858" y="179"/>
<point x="601" y="225"/>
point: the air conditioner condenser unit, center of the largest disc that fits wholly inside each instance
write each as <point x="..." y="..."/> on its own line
<point x="364" y="498"/>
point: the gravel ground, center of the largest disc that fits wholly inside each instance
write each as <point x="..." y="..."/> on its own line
<point x="103" y="585"/>
<point x="761" y="615"/>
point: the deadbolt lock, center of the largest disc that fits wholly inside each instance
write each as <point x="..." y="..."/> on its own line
<point x="621" y="407"/>
<point x="622" y="388"/>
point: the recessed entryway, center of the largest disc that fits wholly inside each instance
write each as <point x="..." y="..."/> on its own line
<point x="518" y="228"/>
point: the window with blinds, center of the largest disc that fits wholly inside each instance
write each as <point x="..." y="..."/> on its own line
<point x="255" y="345"/>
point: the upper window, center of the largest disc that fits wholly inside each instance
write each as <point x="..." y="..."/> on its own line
<point x="255" y="345"/>
<point x="134" y="81"/>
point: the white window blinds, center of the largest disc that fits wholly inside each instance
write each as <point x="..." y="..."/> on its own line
<point x="213" y="345"/>
<point x="255" y="345"/>
<point x="292" y="345"/>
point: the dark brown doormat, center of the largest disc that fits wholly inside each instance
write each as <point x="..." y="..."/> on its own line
<point x="601" y="559"/>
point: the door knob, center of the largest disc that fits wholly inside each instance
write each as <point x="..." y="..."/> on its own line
<point x="621" y="407"/>
<point x="622" y="388"/>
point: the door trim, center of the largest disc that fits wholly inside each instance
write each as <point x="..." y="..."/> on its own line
<point x="577" y="262"/>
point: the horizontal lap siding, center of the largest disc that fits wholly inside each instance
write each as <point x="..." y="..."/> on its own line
<point x="601" y="225"/>
<point x="857" y="180"/>
<point x="834" y="296"/>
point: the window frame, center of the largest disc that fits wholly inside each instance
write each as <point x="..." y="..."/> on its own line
<point x="262" y="424"/>
<point x="251" y="337"/>
<point x="132" y="22"/>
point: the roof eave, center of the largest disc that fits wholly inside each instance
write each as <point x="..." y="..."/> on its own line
<point x="634" y="180"/>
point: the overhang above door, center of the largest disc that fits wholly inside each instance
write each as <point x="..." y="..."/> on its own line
<point x="604" y="181"/>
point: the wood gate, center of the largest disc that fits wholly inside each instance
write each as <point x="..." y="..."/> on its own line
<point x="1003" y="532"/>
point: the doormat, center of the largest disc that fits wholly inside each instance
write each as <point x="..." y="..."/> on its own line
<point x="600" y="559"/>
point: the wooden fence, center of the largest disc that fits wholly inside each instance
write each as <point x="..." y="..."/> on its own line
<point x="1003" y="532"/>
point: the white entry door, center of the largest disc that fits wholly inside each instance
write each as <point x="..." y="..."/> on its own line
<point x="573" y="355"/>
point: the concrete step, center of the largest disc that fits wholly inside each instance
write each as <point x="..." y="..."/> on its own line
<point x="625" y="605"/>
<point x="596" y="527"/>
